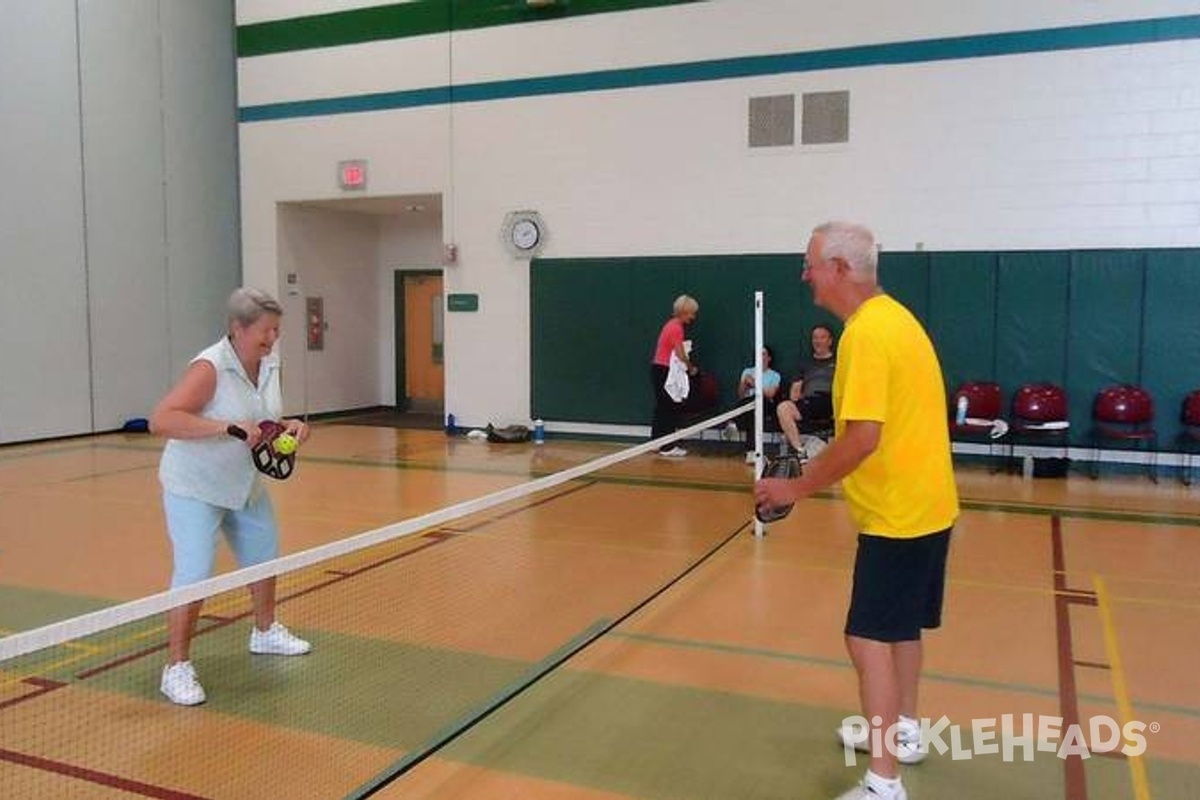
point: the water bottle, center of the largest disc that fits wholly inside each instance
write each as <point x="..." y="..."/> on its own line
<point x="451" y="427"/>
<point x="539" y="432"/>
<point x="960" y="417"/>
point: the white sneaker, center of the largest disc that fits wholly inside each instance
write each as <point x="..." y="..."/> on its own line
<point x="180" y="685"/>
<point x="277" y="641"/>
<point x="864" y="791"/>
<point x="674" y="452"/>
<point x="751" y="457"/>
<point x="909" y="748"/>
<point x="731" y="433"/>
<point x="869" y="790"/>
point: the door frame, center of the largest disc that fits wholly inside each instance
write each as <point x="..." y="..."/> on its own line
<point x="399" y="318"/>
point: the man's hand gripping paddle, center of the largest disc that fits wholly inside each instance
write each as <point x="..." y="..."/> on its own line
<point x="779" y="467"/>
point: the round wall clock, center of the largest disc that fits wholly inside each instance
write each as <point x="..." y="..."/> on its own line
<point x="524" y="233"/>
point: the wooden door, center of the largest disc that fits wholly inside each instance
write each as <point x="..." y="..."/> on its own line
<point x="424" y="375"/>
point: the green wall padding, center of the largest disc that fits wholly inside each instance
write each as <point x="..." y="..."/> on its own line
<point x="1171" y="333"/>
<point x="1105" y="334"/>
<point x="962" y="314"/>
<point x="1031" y="319"/>
<point x="905" y="276"/>
<point x="595" y="322"/>
<point x="1082" y="319"/>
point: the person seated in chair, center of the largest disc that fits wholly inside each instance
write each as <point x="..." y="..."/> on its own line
<point x="772" y="382"/>
<point x="810" y="397"/>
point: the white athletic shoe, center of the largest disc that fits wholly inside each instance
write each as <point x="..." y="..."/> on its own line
<point x="674" y="452"/>
<point x="867" y="791"/>
<point x="180" y="685"/>
<point x="277" y="641"/>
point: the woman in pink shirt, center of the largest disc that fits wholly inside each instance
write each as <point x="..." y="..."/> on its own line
<point x="670" y="340"/>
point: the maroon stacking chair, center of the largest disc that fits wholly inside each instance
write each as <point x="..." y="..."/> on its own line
<point x="983" y="403"/>
<point x="1189" y="436"/>
<point x="1123" y="417"/>
<point x="1040" y="417"/>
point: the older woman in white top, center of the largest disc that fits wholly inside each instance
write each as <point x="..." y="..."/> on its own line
<point x="210" y="483"/>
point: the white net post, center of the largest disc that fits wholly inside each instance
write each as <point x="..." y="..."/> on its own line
<point x="759" y="528"/>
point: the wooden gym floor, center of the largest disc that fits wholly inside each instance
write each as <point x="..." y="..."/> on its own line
<point x="553" y="648"/>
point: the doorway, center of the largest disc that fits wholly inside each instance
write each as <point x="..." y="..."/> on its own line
<point x="420" y="327"/>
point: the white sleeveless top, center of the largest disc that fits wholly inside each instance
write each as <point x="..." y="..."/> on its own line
<point x="218" y="469"/>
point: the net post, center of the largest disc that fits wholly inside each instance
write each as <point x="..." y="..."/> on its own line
<point x="759" y="529"/>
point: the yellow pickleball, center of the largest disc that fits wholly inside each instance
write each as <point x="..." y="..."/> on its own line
<point x="286" y="444"/>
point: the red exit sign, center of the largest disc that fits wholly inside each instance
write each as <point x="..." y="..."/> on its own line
<point x="352" y="174"/>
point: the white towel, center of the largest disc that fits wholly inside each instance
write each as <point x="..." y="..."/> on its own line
<point x="677" y="385"/>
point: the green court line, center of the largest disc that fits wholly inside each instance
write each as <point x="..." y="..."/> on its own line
<point x="656" y="741"/>
<point x="451" y="731"/>
<point x="557" y="659"/>
<point x="1070" y="512"/>
<point x="844" y="664"/>
<point x="24" y="608"/>
<point x="1140" y="517"/>
<point x="1108" y="34"/>
<point x="352" y="687"/>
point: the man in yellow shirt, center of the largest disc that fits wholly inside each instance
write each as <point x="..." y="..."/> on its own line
<point x="891" y="451"/>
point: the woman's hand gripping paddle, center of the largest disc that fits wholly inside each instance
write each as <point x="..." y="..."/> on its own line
<point x="275" y="453"/>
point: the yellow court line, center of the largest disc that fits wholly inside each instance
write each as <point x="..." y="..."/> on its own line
<point x="1137" y="769"/>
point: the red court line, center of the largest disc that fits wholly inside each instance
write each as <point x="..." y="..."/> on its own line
<point x="1074" y="771"/>
<point x="95" y="776"/>
<point x="44" y="685"/>
<point x="435" y="538"/>
<point x="136" y="787"/>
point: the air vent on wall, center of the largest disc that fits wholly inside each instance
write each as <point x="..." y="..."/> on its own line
<point x="825" y="118"/>
<point x="772" y="121"/>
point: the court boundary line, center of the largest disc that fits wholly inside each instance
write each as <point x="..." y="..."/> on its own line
<point x="1137" y="768"/>
<point x="63" y="768"/>
<point x="1074" y="768"/>
<point x="1015" y="507"/>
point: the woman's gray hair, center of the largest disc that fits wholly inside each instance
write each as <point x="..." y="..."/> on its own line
<point x="685" y="303"/>
<point x="853" y="244"/>
<point x="247" y="304"/>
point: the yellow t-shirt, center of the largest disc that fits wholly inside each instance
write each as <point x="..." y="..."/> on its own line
<point x="888" y="372"/>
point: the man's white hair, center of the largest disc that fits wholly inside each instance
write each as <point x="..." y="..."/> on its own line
<point x="852" y="243"/>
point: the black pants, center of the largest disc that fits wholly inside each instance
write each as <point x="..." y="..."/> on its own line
<point x="745" y="422"/>
<point x="666" y="410"/>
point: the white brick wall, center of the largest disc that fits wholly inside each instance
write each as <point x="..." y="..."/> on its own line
<point x="1084" y="148"/>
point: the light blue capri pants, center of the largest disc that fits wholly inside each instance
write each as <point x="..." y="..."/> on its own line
<point x="193" y="525"/>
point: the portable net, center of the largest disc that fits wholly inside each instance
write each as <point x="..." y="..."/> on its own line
<point x="420" y="631"/>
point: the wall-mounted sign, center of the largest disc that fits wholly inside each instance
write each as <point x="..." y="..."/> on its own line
<point x="462" y="302"/>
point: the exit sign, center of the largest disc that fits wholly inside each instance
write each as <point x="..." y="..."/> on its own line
<point x="352" y="175"/>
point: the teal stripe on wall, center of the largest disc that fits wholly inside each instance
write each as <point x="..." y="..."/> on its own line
<point x="962" y="47"/>
<point x="401" y="20"/>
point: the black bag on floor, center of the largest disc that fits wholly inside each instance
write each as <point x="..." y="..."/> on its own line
<point x="509" y="434"/>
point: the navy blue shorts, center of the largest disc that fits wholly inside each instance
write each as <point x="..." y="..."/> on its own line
<point x="899" y="585"/>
